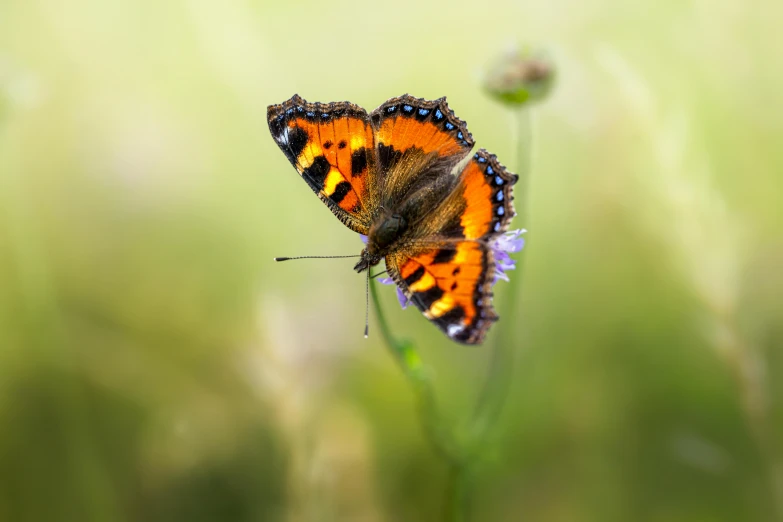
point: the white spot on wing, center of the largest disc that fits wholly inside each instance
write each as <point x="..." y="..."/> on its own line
<point x="283" y="138"/>
<point x="454" y="329"/>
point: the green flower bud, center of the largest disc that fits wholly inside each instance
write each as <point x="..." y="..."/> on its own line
<point x="520" y="77"/>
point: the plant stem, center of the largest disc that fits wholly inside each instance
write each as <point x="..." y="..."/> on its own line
<point x="499" y="374"/>
<point x="407" y="357"/>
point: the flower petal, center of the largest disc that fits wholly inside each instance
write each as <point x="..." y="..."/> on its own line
<point x="402" y="298"/>
<point x="510" y="241"/>
<point x="504" y="245"/>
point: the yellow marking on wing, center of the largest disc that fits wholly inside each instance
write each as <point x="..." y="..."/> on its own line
<point x="357" y="142"/>
<point x="442" y="305"/>
<point x="467" y="253"/>
<point x="461" y="257"/>
<point x="332" y="180"/>
<point x="308" y="155"/>
<point x="425" y="283"/>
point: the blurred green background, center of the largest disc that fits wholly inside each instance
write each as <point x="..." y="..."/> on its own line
<point x="155" y="364"/>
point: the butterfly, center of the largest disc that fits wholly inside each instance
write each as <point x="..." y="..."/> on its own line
<point x="399" y="176"/>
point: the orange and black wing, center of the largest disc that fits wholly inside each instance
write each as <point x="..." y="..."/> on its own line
<point x="416" y="142"/>
<point x="449" y="268"/>
<point x="331" y="145"/>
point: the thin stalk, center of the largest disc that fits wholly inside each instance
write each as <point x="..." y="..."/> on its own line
<point x="457" y="494"/>
<point x="494" y="391"/>
<point x="408" y="359"/>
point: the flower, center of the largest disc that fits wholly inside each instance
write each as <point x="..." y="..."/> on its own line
<point x="520" y="76"/>
<point x="502" y="246"/>
<point x="401" y="297"/>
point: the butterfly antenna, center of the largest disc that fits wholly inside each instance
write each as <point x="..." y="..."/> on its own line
<point x="313" y="257"/>
<point x="367" y="306"/>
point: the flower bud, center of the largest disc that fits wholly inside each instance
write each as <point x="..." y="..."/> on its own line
<point x="520" y="77"/>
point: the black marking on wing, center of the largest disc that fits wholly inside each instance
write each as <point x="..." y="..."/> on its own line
<point x="444" y="255"/>
<point x="358" y="161"/>
<point x="387" y="156"/>
<point x="425" y="298"/>
<point x="415" y="276"/>
<point x="341" y="190"/>
<point x="315" y="174"/>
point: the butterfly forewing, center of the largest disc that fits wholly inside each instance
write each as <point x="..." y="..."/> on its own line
<point x="417" y="141"/>
<point x="332" y="147"/>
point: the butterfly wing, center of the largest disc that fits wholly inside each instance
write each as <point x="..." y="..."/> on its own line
<point x="417" y="142"/>
<point x="331" y="145"/>
<point x="447" y="267"/>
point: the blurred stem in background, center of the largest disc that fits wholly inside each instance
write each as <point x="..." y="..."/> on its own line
<point x="519" y="79"/>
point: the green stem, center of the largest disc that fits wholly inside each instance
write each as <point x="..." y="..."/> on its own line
<point x="407" y="357"/>
<point x="494" y="391"/>
<point x="457" y="490"/>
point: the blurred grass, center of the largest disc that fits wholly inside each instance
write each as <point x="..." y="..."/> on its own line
<point x="155" y="364"/>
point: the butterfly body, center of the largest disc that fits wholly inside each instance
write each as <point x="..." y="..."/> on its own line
<point x="382" y="238"/>
<point x="399" y="176"/>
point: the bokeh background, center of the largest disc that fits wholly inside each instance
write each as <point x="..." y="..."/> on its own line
<point x="156" y="365"/>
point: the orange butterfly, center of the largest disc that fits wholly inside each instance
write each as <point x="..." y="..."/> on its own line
<point x="396" y="176"/>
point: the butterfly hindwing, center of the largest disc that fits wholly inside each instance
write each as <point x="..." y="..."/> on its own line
<point x="448" y="270"/>
<point x="450" y="283"/>
<point x="332" y="147"/>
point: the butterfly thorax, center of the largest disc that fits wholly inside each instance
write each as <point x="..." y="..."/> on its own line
<point x="384" y="234"/>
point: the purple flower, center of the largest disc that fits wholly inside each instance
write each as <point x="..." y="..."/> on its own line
<point x="401" y="297"/>
<point x="504" y="245"/>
